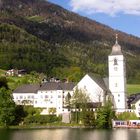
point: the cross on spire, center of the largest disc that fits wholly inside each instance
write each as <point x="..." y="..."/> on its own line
<point x="116" y="38"/>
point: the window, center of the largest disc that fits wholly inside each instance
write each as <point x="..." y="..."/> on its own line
<point x="115" y="61"/>
<point x="116" y="85"/>
<point x="115" y="68"/>
<point x="46" y="96"/>
<point x="59" y="96"/>
<point x="118" y="95"/>
<point x="21" y="97"/>
<point x="118" y="100"/>
<point x="84" y="87"/>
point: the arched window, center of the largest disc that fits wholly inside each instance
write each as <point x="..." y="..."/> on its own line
<point x="115" y="61"/>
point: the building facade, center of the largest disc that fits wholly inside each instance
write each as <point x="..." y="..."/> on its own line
<point x="95" y="87"/>
<point x="117" y="77"/>
<point x="49" y="96"/>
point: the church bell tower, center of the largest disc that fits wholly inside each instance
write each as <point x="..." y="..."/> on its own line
<point x="117" y="77"/>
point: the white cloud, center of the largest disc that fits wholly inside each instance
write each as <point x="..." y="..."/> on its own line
<point x="111" y="7"/>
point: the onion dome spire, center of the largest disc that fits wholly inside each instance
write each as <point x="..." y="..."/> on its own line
<point x="116" y="49"/>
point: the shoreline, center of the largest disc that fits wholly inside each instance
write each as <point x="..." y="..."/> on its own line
<point x="48" y="127"/>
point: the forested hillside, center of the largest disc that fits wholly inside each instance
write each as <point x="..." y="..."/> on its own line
<point x="38" y="35"/>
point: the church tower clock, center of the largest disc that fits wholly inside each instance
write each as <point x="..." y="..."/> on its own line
<point x="117" y="77"/>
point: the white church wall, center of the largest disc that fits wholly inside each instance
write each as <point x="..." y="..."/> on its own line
<point x="117" y="84"/>
<point x="116" y="70"/>
<point x="117" y="79"/>
<point x="94" y="91"/>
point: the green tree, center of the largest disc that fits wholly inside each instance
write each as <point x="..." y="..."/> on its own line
<point x="79" y="102"/>
<point x="67" y="100"/>
<point x="52" y="110"/>
<point x="89" y="118"/>
<point x="3" y="82"/>
<point x="19" y="115"/>
<point x="127" y="116"/>
<point x="105" y="115"/>
<point x="7" y="107"/>
<point x="79" y="98"/>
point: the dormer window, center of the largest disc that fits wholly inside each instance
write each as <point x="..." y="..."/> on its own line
<point x="115" y="61"/>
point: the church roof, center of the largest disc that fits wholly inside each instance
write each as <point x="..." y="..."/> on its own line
<point x="57" y="86"/>
<point x="102" y="82"/>
<point x="134" y="98"/>
<point x="116" y="49"/>
<point x="28" y="88"/>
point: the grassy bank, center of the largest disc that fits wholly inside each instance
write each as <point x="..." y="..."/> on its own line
<point x="46" y="126"/>
<point x="133" y="88"/>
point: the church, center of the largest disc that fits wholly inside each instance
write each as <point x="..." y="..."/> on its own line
<point x="117" y="77"/>
<point x="99" y="89"/>
<point x="53" y="94"/>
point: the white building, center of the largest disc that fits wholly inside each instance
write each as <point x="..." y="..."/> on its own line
<point x="25" y="94"/>
<point x="50" y="96"/>
<point x="134" y="103"/>
<point x="117" y="77"/>
<point x="53" y="95"/>
<point x="96" y="87"/>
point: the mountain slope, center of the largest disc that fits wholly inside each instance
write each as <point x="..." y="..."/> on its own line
<point x="75" y="40"/>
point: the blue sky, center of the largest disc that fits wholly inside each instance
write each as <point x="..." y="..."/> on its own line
<point x="123" y="15"/>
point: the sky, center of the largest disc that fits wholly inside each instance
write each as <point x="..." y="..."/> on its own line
<point x="123" y="15"/>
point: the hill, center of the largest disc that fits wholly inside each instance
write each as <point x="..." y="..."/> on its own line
<point x="38" y="35"/>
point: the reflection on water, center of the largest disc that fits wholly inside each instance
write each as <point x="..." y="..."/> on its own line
<point x="70" y="134"/>
<point x="120" y="134"/>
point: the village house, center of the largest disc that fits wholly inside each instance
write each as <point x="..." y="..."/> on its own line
<point x="48" y="96"/>
<point x="15" y="72"/>
<point x="134" y="103"/>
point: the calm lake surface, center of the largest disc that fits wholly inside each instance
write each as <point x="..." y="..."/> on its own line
<point x="70" y="134"/>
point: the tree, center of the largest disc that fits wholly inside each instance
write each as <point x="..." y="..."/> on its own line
<point x="3" y="82"/>
<point x="19" y="114"/>
<point x="67" y="101"/>
<point x="105" y="115"/>
<point x="127" y="116"/>
<point x="89" y="118"/>
<point x="79" y="102"/>
<point x="52" y="110"/>
<point x="79" y="99"/>
<point x="7" y="107"/>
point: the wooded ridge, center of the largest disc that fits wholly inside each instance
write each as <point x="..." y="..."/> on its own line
<point x="38" y="35"/>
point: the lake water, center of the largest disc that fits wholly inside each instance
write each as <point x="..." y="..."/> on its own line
<point x="70" y="134"/>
